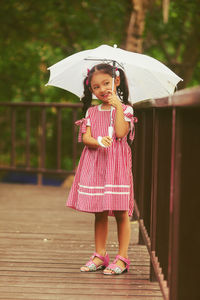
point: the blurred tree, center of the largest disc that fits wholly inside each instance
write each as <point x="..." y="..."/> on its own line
<point x="176" y="42"/>
<point x="135" y="30"/>
<point x="35" y="35"/>
<point x="165" y="5"/>
<point x="156" y="38"/>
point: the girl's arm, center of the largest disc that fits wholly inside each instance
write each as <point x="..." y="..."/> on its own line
<point x="88" y="140"/>
<point x="121" y="126"/>
<point x="91" y="142"/>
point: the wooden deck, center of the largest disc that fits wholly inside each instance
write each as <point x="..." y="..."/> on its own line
<point x="43" y="244"/>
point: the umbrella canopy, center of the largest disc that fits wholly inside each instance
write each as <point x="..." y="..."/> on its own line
<point x="147" y="77"/>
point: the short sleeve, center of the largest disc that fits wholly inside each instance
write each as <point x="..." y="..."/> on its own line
<point x="83" y="123"/>
<point x="128" y="112"/>
<point x="129" y="117"/>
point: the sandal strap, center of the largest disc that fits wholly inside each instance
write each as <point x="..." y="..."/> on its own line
<point x="103" y="258"/>
<point x="125" y="260"/>
<point x="90" y="263"/>
<point x="99" y="256"/>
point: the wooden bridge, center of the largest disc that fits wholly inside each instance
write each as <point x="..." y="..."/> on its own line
<point x="43" y="244"/>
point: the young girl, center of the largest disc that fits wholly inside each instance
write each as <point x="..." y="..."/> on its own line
<point x="103" y="183"/>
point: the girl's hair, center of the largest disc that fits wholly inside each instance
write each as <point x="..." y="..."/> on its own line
<point x="122" y="89"/>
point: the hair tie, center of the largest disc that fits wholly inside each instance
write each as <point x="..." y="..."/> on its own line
<point x="117" y="72"/>
<point x="87" y="81"/>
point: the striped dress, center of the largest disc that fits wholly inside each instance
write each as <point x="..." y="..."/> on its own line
<point x="103" y="181"/>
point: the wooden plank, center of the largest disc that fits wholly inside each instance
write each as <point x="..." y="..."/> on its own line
<point x="91" y="280"/>
<point x="6" y="296"/>
<point x="43" y="246"/>
<point x="92" y="289"/>
<point x="81" y="285"/>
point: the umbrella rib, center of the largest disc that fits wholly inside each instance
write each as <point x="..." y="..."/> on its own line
<point x="105" y="60"/>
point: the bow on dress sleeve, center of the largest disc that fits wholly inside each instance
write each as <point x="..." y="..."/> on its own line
<point x="132" y="122"/>
<point x="83" y="126"/>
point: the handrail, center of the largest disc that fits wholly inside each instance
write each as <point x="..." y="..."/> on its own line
<point x="166" y="164"/>
<point x="183" y="98"/>
<point x="42" y="104"/>
<point x="42" y="128"/>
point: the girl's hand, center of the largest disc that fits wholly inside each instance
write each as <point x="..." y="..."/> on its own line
<point x="106" y="141"/>
<point x="113" y="99"/>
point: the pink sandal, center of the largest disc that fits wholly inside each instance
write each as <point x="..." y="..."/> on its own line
<point x="115" y="269"/>
<point x="92" y="267"/>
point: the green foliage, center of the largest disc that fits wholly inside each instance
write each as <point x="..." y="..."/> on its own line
<point x="37" y="34"/>
<point x="174" y="42"/>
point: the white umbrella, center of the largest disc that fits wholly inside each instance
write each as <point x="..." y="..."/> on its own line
<point x="147" y="77"/>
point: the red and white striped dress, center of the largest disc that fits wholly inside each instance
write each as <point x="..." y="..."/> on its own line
<point x="103" y="181"/>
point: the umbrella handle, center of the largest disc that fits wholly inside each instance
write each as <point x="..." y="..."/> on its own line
<point x="113" y="83"/>
<point x="111" y="109"/>
<point x="110" y="131"/>
<point x="113" y="74"/>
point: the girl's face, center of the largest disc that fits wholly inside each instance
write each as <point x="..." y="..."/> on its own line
<point x="101" y="85"/>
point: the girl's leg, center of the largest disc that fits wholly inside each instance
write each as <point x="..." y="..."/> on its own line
<point x="101" y="232"/>
<point x="124" y="232"/>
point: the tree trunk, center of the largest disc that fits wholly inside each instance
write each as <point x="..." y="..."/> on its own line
<point x="190" y="57"/>
<point x="165" y="5"/>
<point x="136" y="25"/>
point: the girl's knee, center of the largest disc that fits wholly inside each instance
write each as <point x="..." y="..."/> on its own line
<point x="121" y="215"/>
<point x="101" y="215"/>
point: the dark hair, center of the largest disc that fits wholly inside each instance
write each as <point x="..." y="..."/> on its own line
<point x="122" y="89"/>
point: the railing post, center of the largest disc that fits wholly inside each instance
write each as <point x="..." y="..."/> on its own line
<point x="154" y="190"/>
<point x="13" y="135"/>
<point x="59" y="131"/>
<point x="42" y="144"/>
<point x="141" y="164"/>
<point x="28" y="120"/>
<point x="184" y="206"/>
<point x="74" y="139"/>
<point x="173" y="210"/>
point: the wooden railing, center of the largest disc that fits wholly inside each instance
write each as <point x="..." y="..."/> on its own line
<point x="20" y="117"/>
<point x="166" y="167"/>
